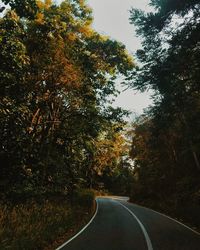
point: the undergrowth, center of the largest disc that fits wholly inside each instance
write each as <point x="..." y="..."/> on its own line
<point x="37" y="225"/>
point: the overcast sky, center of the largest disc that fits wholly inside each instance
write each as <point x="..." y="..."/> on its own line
<point x="111" y="17"/>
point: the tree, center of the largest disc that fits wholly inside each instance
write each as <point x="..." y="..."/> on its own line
<point x="169" y="65"/>
<point x="27" y="8"/>
<point x="57" y="75"/>
<point x="166" y="67"/>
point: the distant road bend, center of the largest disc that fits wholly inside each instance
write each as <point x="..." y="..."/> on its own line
<point x="119" y="225"/>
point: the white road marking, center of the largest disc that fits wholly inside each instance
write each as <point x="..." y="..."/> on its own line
<point x="83" y="229"/>
<point x="173" y="220"/>
<point x="148" y="241"/>
<point x="121" y="198"/>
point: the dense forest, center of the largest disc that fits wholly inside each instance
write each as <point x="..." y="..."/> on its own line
<point x="59" y="131"/>
<point x="166" y="141"/>
<point x="60" y="135"/>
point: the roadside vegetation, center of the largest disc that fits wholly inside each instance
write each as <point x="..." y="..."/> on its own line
<point x="60" y="136"/>
<point x="166" y="138"/>
<point x="59" y="133"/>
<point x="44" y="224"/>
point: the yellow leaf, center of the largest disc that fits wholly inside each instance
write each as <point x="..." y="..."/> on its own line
<point x="86" y="30"/>
<point x="71" y="36"/>
<point x="40" y="4"/>
<point x="44" y="4"/>
<point x="48" y="3"/>
<point x="40" y="18"/>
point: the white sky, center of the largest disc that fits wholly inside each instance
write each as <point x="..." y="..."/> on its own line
<point x="111" y="17"/>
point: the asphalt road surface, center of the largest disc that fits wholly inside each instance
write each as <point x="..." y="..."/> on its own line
<point x="120" y="225"/>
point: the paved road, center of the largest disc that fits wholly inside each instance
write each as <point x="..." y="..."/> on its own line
<point x="119" y="225"/>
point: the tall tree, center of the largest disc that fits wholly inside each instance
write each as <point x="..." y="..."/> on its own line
<point x="170" y="66"/>
<point x="57" y="75"/>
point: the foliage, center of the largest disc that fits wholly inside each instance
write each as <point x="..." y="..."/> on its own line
<point x="165" y="145"/>
<point x="57" y="76"/>
<point x="37" y="225"/>
<point x="84" y="198"/>
<point x="27" y="8"/>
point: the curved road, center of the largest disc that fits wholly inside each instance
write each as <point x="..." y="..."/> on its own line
<point x="119" y="225"/>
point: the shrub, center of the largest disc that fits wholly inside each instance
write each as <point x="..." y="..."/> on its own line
<point x="35" y="225"/>
<point x="84" y="197"/>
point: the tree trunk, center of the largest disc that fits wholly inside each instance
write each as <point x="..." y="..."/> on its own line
<point x="196" y="159"/>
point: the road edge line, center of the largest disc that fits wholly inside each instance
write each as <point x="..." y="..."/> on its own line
<point x="170" y="218"/>
<point x="167" y="216"/>
<point x="147" y="238"/>
<point x="83" y="229"/>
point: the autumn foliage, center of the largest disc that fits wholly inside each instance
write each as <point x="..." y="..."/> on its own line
<point x="57" y="75"/>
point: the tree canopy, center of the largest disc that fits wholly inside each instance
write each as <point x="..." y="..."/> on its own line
<point x="166" y="139"/>
<point x="57" y="75"/>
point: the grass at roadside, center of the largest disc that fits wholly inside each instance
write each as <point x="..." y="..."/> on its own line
<point x="43" y="225"/>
